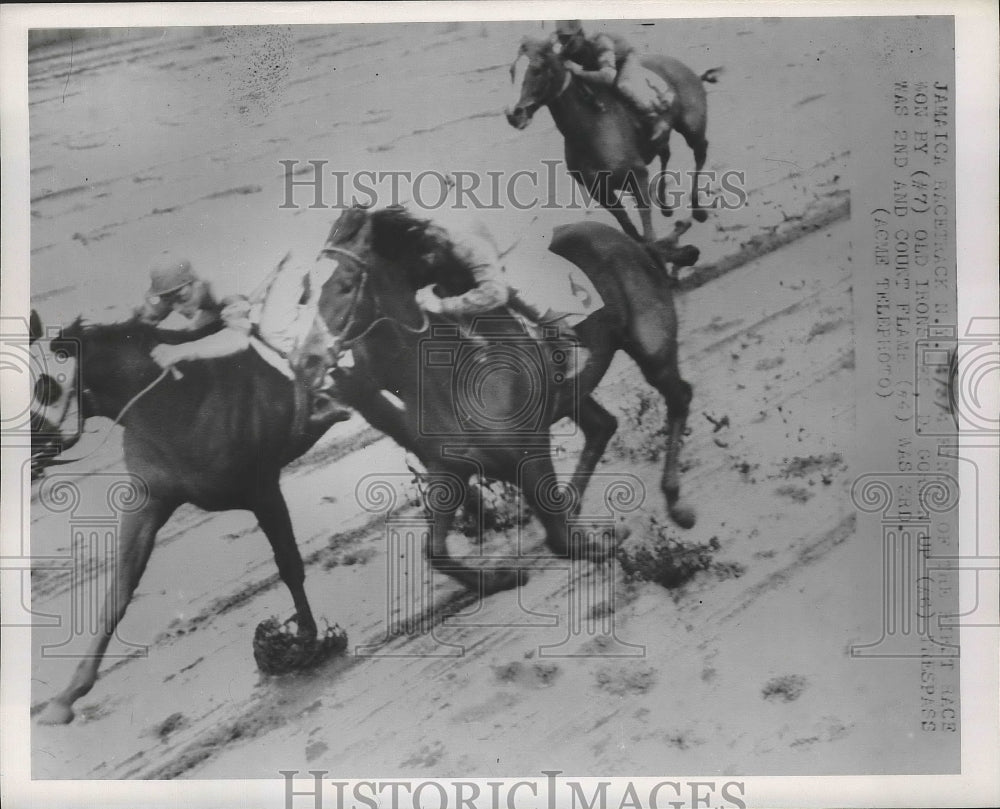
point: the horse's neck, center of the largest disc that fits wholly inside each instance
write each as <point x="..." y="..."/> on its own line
<point x="574" y="112"/>
<point x="115" y="378"/>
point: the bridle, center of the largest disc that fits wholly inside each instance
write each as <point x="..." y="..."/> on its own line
<point x="331" y="250"/>
<point x="84" y="392"/>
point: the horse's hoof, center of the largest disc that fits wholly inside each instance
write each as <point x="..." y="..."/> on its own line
<point x="682" y="514"/>
<point x="56" y="713"/>
<point x="699" y="215"/>
<point x="496" y="580"/>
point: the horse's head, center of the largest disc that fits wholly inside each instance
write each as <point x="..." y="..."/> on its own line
<point x="373" y="279"/>
<point x="540" y="77"/>
<point x="56" y="414"/>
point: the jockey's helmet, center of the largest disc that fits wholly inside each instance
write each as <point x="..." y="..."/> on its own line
<point x="169" y="276"/>
<point x="568" y="30"/>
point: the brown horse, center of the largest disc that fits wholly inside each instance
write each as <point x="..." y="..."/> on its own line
<point x="606" y="149"/>
<point x="481" y="400"/>
<point x="216" y="436"/>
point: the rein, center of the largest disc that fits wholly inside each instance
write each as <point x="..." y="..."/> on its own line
<point x="366" y="267"/>
<point x="117" y="420"/>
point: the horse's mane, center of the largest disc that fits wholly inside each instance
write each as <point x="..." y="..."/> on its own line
<point x="430" y="255"/>
<point x="133" y="331"/>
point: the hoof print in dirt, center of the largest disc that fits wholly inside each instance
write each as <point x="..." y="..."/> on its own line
<point x="279" y="650"/>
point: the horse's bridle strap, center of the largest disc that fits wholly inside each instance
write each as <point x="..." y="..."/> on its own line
<point x="329" y="249"/>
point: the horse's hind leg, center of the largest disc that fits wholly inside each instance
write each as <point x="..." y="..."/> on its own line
<point x="443" y="494"/>
<point x="653" y="346"/>
<point x="138" y="532"/>
<point x="661" y="182"/>
<point x="699" y="146"/>
<point x="638" y="183"/>
<point x="272" y="514"/>
<point x="598" y="426"/>
<point x="677" y="392"/>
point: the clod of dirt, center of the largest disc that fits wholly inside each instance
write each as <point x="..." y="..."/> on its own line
<point x="717" y="424"/>
<point x="801" y="467"/>
<point x="170" y="724"/>
<point x="667" y="561"/>
<point x="508" y="673"/>
<point x="796" y="493"/>
<point x="539" y="674"/>
<point x="769" y="364"/>
<point x="427" y="756"/>
<point x="279" y="650"/>
<point x="622" y="680"/>
<point x="786" y="688"/>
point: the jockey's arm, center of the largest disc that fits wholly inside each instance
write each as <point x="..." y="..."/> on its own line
<point x="489" y="294"/>
<point x="479" y="252"/>
<point x="231" y="339"/>
<point x="606" y="72"/>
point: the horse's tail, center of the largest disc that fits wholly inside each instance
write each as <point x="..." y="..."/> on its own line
<point x="711" y="76"/>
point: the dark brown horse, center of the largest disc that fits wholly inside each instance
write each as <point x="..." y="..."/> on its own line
<point x="480" y="399"/>
<point x="216" y="437"/>
<point x="606" y="149"/>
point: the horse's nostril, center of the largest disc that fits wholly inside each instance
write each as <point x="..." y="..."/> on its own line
<point x="47" y="390"/>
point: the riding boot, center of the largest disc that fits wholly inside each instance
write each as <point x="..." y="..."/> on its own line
<point x="324" y="408"/>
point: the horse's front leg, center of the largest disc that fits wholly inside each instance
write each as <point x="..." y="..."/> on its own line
<point x="138" y="532"/>
<point x="272" y="515"/>
<point x="443" y="494"/>
<point x="597" y="186"/>
<point x="358" y="392"/>
<point x="598" y="426"/>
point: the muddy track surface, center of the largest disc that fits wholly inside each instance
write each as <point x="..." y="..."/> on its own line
<point x="587" y="667"/>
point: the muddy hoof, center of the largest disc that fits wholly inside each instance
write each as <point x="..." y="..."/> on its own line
<point x="280" y="650"/>
<point x="496" y="580"/>
<point x="699" y="215"/>
<point x="682" y="514"/>
<point x="56" y="713"/>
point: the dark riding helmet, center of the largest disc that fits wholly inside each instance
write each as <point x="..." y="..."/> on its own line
<point x="567" y="31"/>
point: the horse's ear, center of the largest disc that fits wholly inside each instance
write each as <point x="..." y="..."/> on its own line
<point x="35" y="330"/>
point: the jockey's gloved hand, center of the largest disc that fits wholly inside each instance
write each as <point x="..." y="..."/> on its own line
<point x="428" y="300"/>
<point x="167" y="356"/>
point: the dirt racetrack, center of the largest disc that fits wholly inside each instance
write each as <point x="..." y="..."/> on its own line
<point x="172" y="139"/>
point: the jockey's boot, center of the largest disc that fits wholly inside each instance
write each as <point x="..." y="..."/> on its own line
<point x="324" y="409"/>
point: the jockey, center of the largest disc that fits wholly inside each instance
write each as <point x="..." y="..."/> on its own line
<point x="177" y="298"/>
<point x="525" y="277"/>
<point x="608" y="60"/>
<point x="277" y="320"/>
